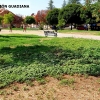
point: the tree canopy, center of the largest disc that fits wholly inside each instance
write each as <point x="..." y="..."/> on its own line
<point x="1" y="18"/>
<point x="41" y="16"/>
<point x="91" y="13"/>
<point x="96" y="11"/>
<point x="71" y="13"/>
<point x="8" y="18"/>
<point x="52" y="17"/>
<point x="29" y="20"/>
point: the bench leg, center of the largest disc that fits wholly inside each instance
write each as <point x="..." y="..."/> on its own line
<point x="55" y="35"/>
<point x="46" y="34"/>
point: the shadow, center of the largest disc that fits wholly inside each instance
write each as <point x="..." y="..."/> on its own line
<point x="6" y="38"/>
<point x="3" y="40"/>
<point x="80" y="60"/>
<point x="25" y="55"/>
<point x="20" y="36"/>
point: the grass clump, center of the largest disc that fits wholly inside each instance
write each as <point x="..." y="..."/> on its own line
<point x="67" y="82"/>
<point x="41" y="81"/>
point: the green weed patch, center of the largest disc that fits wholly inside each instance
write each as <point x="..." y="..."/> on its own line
<point x="25" y="57"/>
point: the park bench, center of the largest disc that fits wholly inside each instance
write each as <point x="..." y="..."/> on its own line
<point x="50" y="33"/>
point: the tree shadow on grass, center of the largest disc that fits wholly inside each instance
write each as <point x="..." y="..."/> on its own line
<point x="49" y="56"/>
<point x="16" y="63"/>
<point x="19" y="36"/>
<point x="25" y="55"/>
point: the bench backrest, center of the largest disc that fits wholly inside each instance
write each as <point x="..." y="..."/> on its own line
<point x="48" y="31"/>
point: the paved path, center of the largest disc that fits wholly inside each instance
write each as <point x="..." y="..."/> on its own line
<point x="41" y="33"/>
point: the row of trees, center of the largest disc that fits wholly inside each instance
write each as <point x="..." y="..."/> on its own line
<point x="74" y="13"/>
<point x="85" y="2"/>
<point x="9" y="19"/>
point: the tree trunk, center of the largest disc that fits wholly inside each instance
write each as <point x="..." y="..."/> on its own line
<point x="71" y="26"/>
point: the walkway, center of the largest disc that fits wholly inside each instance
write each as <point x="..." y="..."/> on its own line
<point x="41" y="33"/>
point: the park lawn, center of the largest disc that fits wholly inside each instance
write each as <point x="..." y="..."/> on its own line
<point x="27" y="57"/>
<point x="83" y="32"/>
<point x="66" y="31"/>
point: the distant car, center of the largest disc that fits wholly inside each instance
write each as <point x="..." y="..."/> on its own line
<point x="80" y="28"/>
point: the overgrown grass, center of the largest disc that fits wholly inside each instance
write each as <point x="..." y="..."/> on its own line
<point x="28" y="57"/>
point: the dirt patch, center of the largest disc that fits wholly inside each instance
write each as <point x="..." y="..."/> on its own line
<point x="43" y="39"/>
<point x="83" y="88"/>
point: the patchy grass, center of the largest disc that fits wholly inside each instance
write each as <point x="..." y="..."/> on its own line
<point x="28" y="57"/>
<point x="84" y="32"/>
<point x="70" y="88"/>
<point x="67" y="82"/>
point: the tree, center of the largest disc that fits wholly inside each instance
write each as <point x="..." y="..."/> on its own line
<point x="18" y="19"/>
<point x="88" y="14"/>
<point x="52" y="17"/>
<point x="74" y="1"/>
<point x="96" y="11"/>
<point x="8" y="19"/>
<point x="1" y="18"/>
<point x="61" y="23"/>
<point x="51" y="6"/>
<point x="64" y="4"/>
<point x="71" y="14"/>
<point x="29" y="20"/>
<point x="41" y="16"/>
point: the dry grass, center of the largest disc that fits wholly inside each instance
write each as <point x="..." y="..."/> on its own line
<point x="83" y="88"/>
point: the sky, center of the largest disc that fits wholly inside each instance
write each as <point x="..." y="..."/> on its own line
<point x="34" y="5"/>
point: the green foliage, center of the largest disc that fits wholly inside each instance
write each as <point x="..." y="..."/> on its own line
<point x="67" y="82"/>
<point x="41" y="81"/>
<point x="96" y="11"/>
<point x="1" y="19"/>
<point x="86" y="14"/>
<point x="25" y="58"/>
<point x="29" y="83"/>
<point x="41" y="26"/>
<point x="29" y="20"/>
<point x="66" y="31"/>
<point x="52" y="17"/>
<point x="8" y="18"/>
<point x="70" y="13"/>
<point x="61" y="23"/>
